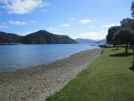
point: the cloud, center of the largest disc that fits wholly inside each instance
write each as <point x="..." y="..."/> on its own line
<point x="34" y="21"/>
<point x="65" y="25"/>
<point x="21" y="6"/>
<point x="44" y="10"/>
<point x="72" y="19"/>
<point x="19" y="23"/>
<point x="53" y="29"/>
<point x="41" y="26"/>
<point x="94" y="35"/>
<point x="44" y="5"/>
<point x="3" y="26"/>
<point x="25" y="33"/>
<point x="59" y="30"/>
<point x="85" y="21"/>
<point x="109" y="25"/>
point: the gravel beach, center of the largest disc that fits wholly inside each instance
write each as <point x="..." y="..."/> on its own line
<point x="39" y="82"/>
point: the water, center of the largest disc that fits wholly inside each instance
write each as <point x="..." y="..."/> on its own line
<point x="13" y="57"/>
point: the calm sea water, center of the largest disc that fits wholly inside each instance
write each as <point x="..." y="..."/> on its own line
<point x="13" y="57"/>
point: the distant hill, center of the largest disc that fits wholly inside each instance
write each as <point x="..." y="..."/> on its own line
<point x="39" y="37"/>
<point x="8" y="37"/>
<point x="103" y="41"/>
<point x="42" y="36"/>
<point x="85" y="40"/>
<point x="90" y="41"/>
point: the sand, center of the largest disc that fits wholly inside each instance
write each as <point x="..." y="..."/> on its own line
<point x="39" y="82"/>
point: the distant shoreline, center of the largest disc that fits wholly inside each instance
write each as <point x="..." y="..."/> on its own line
<point x="34" y="43"/>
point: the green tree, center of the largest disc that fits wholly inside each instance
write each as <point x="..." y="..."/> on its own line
<point x="127" y="23"/>
<point x="132" y="9"/>
<point x="124" y="38"/>
<point x="111" y="33"/>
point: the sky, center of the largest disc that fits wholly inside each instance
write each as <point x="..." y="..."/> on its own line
<point x="88" y="19"/>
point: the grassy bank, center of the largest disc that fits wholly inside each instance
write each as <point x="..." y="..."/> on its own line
<point x="107" y="79"/>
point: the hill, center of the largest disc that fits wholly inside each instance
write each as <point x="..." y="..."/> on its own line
<point x="8" y="37"/>
<point x="90" y="41"/>
<point x="42" y="36"/>
<point x="39" y="37"/>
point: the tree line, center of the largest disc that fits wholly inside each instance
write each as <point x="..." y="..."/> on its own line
<point x="123" y="35"/>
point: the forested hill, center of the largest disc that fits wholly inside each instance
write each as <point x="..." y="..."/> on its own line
<point x="39" y="37"/>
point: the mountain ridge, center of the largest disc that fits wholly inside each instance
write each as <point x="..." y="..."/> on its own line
<point x="38" y="37"/>
<point x="90" y="41"/>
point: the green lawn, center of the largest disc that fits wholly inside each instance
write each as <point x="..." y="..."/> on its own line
<point x="108" y="78"/>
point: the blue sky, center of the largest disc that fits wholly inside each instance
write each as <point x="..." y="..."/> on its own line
<point x="75" y="18"/>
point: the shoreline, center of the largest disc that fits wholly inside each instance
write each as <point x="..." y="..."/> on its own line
<point x="39" y="82"/>
<point x="33" y="67"/>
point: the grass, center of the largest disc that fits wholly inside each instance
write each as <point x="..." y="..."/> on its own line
<point x="106" y="79"/>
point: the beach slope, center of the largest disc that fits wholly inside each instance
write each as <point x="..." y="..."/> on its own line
<point x="39" y="82"/>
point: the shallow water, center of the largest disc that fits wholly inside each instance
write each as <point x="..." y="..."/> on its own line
<point x="13" y="57"/>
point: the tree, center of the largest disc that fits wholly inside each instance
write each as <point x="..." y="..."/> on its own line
<point x="127" y="23"/>
<point x="125" y="38"/>
<point x="111" y="32"/>
<point x="132" y="9"/>
<point x="123" y="35"/>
